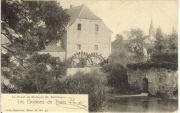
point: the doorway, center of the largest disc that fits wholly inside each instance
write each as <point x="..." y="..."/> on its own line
<point x="145" y="85"/>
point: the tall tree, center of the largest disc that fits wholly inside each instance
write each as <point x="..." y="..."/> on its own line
<point x="120" y="54"/>
<point x="160" y="43"/>
<point x="173" y="41"/>
<point x="136" y="44"/>
<point x="30" y="26"/>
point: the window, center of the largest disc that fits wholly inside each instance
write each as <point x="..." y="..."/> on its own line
<point x="96" y="47"/>
<point x="79" y="27"/>
<point x="79" y="47"/>
<point x="96" y="27"/>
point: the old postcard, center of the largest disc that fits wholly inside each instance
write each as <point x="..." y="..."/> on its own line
<point x="44" y="103"/>
<point x="89" y="56"/>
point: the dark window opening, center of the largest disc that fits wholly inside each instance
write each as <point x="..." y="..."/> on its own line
<point x="79" y="47"/>
<point x="96" y="47"/>
<point x="96" y="27"/>
<point x="79" y="27"/>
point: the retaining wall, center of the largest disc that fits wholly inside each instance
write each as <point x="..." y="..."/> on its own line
<point x="159" y="80"/>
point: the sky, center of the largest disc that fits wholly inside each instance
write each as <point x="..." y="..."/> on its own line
<point x="122" y="16"/>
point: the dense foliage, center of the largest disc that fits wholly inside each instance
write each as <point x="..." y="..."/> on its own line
<point x="135" y="50"/>
<point x="29" y="26"/>
<point x="82" y="63"/>
<point x="128" y="51"/>
<point x="120" y="54"/>
<point x="168" y="58"/>
<point x="173" y="66"/>
<point x="93" y="84"/>
<point x="38" y="78"/>
<point x="117" y="77"/>
<point x="165" y="44"/>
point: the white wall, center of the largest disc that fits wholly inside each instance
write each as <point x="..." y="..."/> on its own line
<point x="61" y="55"/>
<point x="88" y="38"/>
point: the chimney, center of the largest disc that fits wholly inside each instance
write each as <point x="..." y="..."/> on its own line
<point x="71" y="6"/>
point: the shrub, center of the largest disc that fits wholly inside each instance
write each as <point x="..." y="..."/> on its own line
<point x="168" y="58"/>
<point x="5" y="59"/>
<point x="82" y="63"/>
<point x="150" y="65"/>
<point x="117" y="76"/>
<point x="93" y="84"/>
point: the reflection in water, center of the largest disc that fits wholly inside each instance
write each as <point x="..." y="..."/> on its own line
<point x="142" y="104"/>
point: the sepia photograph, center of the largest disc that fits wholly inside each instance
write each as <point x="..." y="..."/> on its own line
<point x="97" y="55"/>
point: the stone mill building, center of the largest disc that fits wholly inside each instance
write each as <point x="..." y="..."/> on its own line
<point x="86" y="34"/>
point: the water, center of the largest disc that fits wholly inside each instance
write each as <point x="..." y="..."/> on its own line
<point x="141" y="104"/>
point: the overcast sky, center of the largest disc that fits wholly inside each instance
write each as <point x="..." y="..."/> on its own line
<point x="121" y="16"/>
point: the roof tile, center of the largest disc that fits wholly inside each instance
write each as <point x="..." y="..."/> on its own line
<point x="81" y="12"/>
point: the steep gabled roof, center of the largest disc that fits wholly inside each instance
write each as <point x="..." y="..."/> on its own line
<point x="81" y="12"/>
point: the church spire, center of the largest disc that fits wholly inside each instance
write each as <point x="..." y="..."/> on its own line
<point x="151" y="29"/>
<point x="151" y="25"/>
<point x="151" y="32"/>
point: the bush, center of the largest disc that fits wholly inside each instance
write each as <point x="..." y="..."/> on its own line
<point x="82" y="63"/>
<point x="173" y="66"/>
<point x="168" y="58"/>
<point x="93" y="84"/>
<point x="117" y="77"/>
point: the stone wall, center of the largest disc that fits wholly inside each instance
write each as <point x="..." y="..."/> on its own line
<point x="159" y="80"/>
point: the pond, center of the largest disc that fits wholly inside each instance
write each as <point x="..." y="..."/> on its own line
<point x="141" y="104"/>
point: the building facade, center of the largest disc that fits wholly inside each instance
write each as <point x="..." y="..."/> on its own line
<point x="85" y="33"/>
